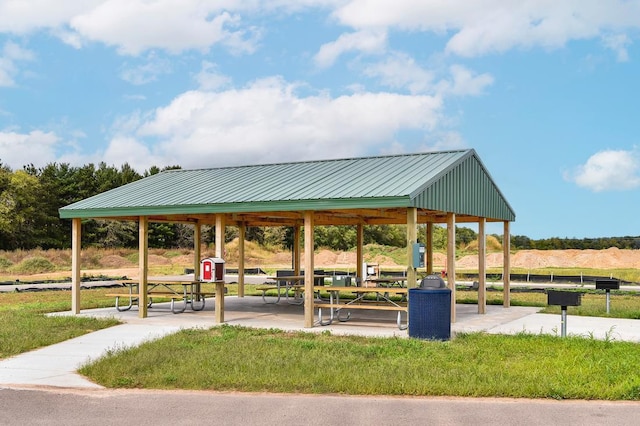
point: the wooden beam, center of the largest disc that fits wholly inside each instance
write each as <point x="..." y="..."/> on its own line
<point x="451" y="261"/>
<point x="506" y="266"/>
<point x="482" y="267"/>
<point x="308" y="269"/>
<point x="369" y="216"/>
<point x="76" y="249"/>
<point x="412" y="238"/>
<point x="143" y="265"/>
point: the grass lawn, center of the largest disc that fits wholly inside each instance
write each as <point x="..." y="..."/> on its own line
<point x="26" y="327"/>
<point x="235" y="358"/>
<point x="230" y="358"/>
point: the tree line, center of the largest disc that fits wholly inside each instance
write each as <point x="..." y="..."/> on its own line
<point x="30" y="199"/>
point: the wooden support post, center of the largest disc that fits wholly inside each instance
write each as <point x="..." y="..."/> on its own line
<point x="482" y="267"/>
<point x="451" y="261"/>
<point x="219" y="237"/>
<point x="295" y="250"/>
<point x="506" y="268"/>
<point x="360" y="272"/>
<point x="429" y="248"/>
<point x="143" y="265"/>
<point x="220" y="228"/>
<point x="412" y="238"/>
<point x="76" y="248"/>
<point x="197" y="244"/>
<point x="241" y="236"/>
<point x="219" y="302"/>
<point x="308" y="269"/>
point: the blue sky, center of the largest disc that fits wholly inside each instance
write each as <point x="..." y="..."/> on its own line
<point x="545" y="91"/>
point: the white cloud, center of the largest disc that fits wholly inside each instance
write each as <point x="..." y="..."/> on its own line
<point x="609" y="171"/>
<point x="480" y="27"/>
<point x="135" y="26"/>
<point x="12" y="53"/>
<point x="266" y="122"/>
<point x="36" y="147"/>
<point x="146" y="72"/>
<point x="22" y="17"/>
<point x="361" y="41"/>
<point x="466" y="82"/>
<point x="127" y="149"/>
<point x="473" y="28"/>
<point x="399" y="70"/>
<point x="618" y="43"/>
<point x="174" y="25"/>
<point x="209" y="78"/>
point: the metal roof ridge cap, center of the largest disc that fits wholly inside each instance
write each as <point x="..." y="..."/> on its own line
<point x="326" y="160"/>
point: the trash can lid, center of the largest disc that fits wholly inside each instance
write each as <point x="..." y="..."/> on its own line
<point x="432" y="281"/>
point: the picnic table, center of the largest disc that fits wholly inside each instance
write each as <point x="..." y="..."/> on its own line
<point x="383" y="301"/>
<point x="190" y="292"/>
<point x="389" y="281"/>
<point x="283" y="284"/>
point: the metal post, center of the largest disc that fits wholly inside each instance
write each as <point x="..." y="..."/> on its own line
<point x="563" y="323"/>
<point x="608" y="299"/>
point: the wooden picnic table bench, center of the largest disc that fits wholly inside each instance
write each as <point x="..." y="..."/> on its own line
<point x="383" y="301"/>
<point x="133" y="299"/>
<point x="283" y="283"/>
<point x="190" y="294"/>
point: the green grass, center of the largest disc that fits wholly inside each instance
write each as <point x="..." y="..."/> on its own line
<point x="593" y="304"/>
<point x="26" y="327"/>
<point x="23" y="331"/>
<point x="240" y="359"/>
<point x="232" y="358"/>
<point x="626" y="274"/>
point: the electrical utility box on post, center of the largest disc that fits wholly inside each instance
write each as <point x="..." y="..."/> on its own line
<point x="212" y="269"/>
<point x="418" y="255"/>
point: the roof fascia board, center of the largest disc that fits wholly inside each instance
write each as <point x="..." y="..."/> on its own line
<point x="352" y="203"/>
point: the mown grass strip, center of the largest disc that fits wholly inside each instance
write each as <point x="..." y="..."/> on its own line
<point x="229" y="358"/>
<point x="23" y="331"/>
<point x="26" y="327"/>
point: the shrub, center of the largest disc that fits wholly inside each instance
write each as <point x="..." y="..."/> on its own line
<point x="5" y="263"/>
<point x="33" y="265"/>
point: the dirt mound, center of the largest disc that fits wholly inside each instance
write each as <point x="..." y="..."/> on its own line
<point x="155" y="259"/>
<point x="534" y="259"/>
<point x="113" y="261"/>
<point x="183" y="260"/>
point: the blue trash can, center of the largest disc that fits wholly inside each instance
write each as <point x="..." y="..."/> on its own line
<point x="430" y="313"/>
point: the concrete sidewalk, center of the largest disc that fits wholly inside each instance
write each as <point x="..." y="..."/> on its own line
<point x="56" y="365"/>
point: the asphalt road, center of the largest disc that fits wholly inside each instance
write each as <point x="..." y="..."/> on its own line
<point x="141" y="408"/>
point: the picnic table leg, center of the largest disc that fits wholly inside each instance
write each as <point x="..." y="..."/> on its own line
<point x="320" y="321"/>
<point x="196" y="298"/>
<point x="124" y="308"/>
<point x="200" y="307"/>
<point x="264" y="299"/>
<point x="297" y="296"/>
<point x="339" y="310"/>
<point x="400" y="326"/>
<point x="184" y="305"/>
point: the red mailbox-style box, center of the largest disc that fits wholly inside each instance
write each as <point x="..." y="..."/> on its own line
<point x="212" y="269"/>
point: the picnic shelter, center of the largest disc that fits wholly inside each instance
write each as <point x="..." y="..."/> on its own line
<point x="442" y="187"/>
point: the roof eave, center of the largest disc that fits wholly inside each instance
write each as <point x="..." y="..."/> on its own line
<point x="253" y="207"/>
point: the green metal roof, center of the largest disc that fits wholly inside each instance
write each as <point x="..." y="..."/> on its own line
<point x="447" y="181"/>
